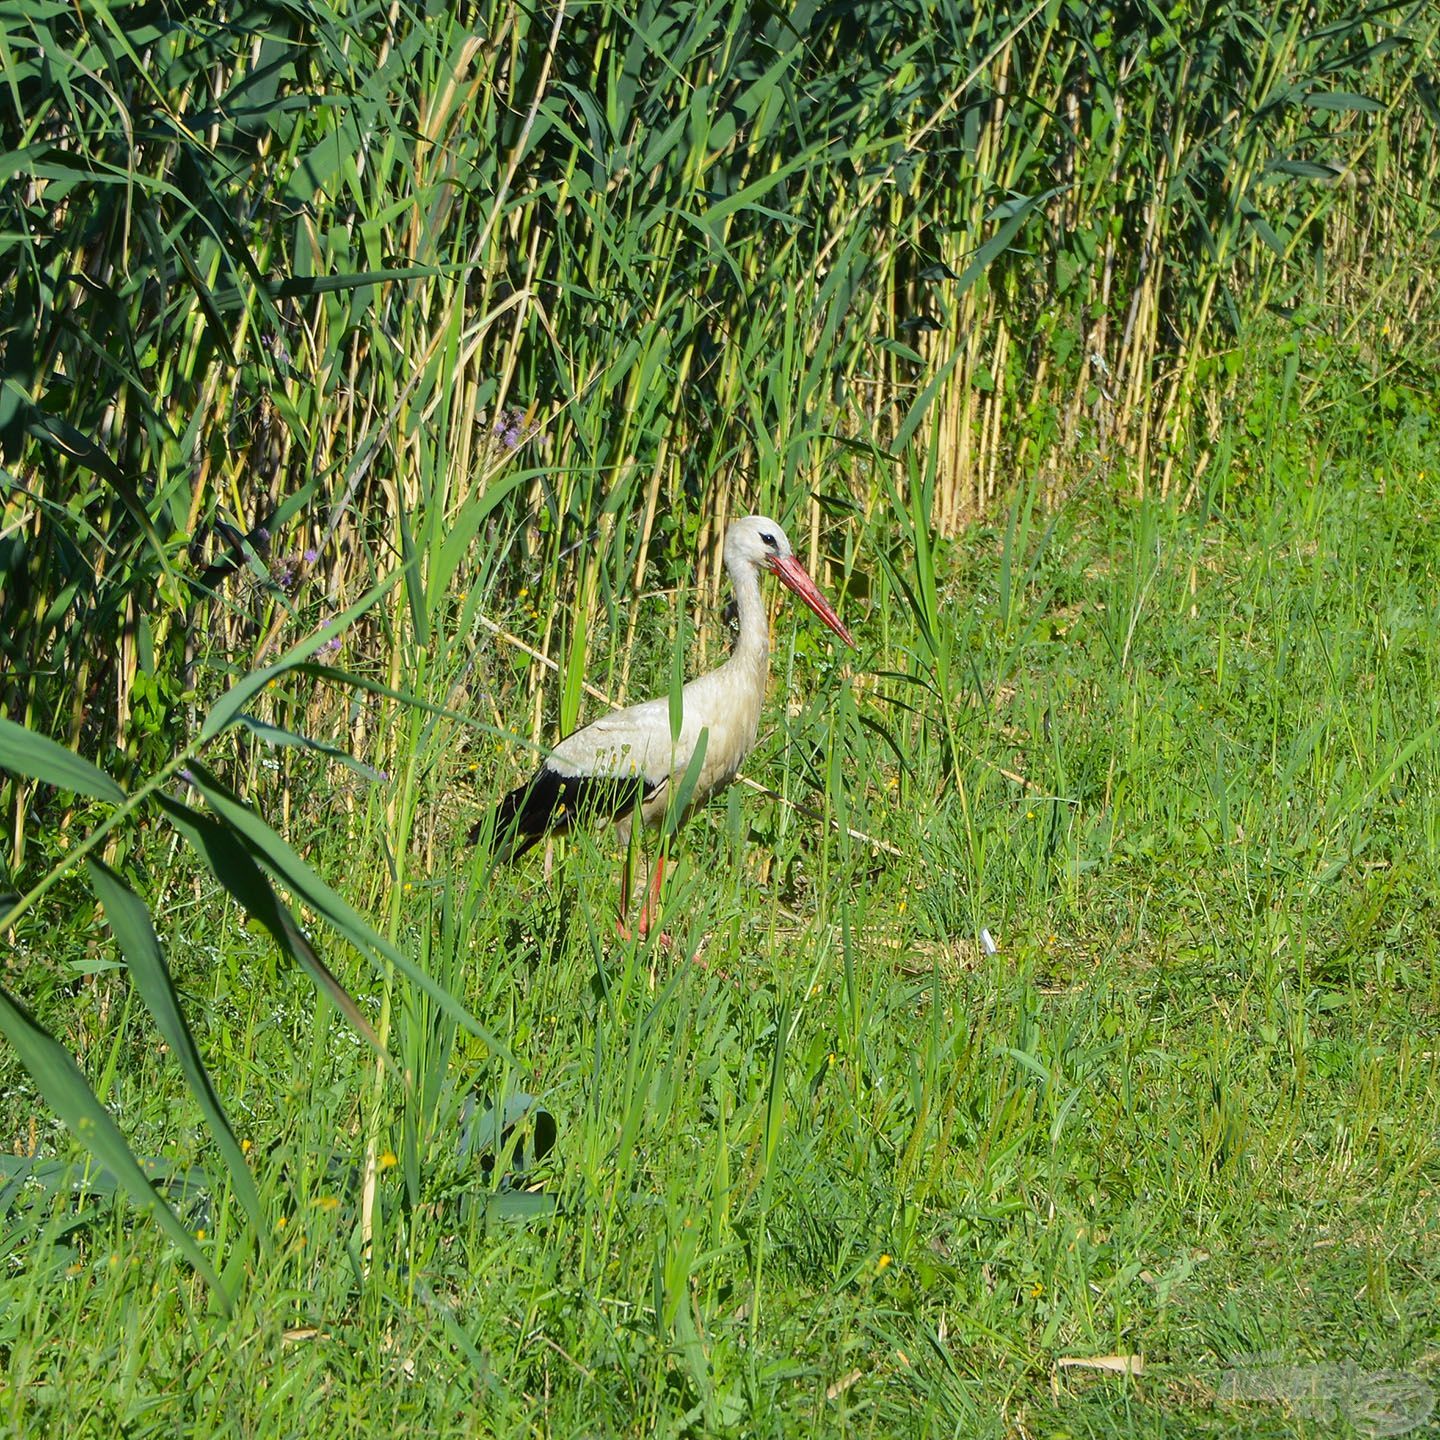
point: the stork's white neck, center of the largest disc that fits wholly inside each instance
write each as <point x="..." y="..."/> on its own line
<point x="753" y="647"/>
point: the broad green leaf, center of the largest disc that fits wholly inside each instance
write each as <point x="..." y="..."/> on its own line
<point x="520" y="1205"/>
<point x="176" y="1183"/>
<point x="303" y="285"/>
<point x="75" y="445"/>
<point x="922" y="403"/>
<point x="1307" y="169"/>
<point x="23" y="752"/>
<point x="1341" y="100"/>
<point x="129" y="919"/>
<point x="275" y="735"/>
<point x="281" y="860"/>
<point x="484" y="1137"/>
<point x="414" y="588"/>
<point x="1263" y="229"/>
<point x="67" y="1092"/>
<point x="215" y="322"/>
<point x="466" y="526"/>
<point x="1013" y="213"/>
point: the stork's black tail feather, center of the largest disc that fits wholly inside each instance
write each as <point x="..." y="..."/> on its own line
<point x="523" y="816"/>
<point x="549" y="802"/>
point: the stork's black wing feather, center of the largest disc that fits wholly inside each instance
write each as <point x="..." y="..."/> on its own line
<point x="550" y="803"/>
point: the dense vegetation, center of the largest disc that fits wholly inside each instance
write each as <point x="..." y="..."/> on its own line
<point x="373" y="384"/>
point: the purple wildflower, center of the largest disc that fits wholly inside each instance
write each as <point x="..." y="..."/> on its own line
<point x="311" y="555"/>
<point x="509" y="427"/>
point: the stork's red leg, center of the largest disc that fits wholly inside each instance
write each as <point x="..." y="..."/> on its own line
<point x="648" y="911"/>
<point x="651" y="908"/>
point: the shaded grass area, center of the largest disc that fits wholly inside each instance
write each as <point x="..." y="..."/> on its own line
<point x="845" y="1173"/>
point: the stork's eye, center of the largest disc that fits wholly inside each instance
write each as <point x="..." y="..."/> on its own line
<point x="769" y="541"/>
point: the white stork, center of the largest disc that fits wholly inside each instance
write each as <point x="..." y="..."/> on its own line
<point x="628" y="760"/>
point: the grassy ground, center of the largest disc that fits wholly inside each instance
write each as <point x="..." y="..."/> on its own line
<point x="846" y="1173"/>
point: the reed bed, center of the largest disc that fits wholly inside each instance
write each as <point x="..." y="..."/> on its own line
<point x="378" y="386"/>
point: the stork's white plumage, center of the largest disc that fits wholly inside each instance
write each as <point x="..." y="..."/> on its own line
<point x="628" y="760"/>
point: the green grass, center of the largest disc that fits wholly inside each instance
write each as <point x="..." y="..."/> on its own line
<point x="375" y="378"/>
<point x="850" y="1174"/>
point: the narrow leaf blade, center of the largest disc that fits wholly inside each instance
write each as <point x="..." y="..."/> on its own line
<point x="67" y="1092"/>
<point x="129" y="920"/>
<point x="228" y="859"/>
<point x="273" y="852"/>
<point x="23" y="752"/>
<point x="229" y="705"/>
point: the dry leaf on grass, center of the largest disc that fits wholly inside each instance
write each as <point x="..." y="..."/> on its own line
<point x="1114" y="1364"/>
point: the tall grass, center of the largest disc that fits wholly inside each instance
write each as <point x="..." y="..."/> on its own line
<point x="278" y="297"/>
<point x="374" y="385"/>
<point x="850" y="1173"/>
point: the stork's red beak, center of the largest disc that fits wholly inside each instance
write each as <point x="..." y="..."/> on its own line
<point x="793" y="577"/>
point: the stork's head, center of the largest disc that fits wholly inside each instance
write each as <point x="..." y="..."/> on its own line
<point x="761" y="543"/>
